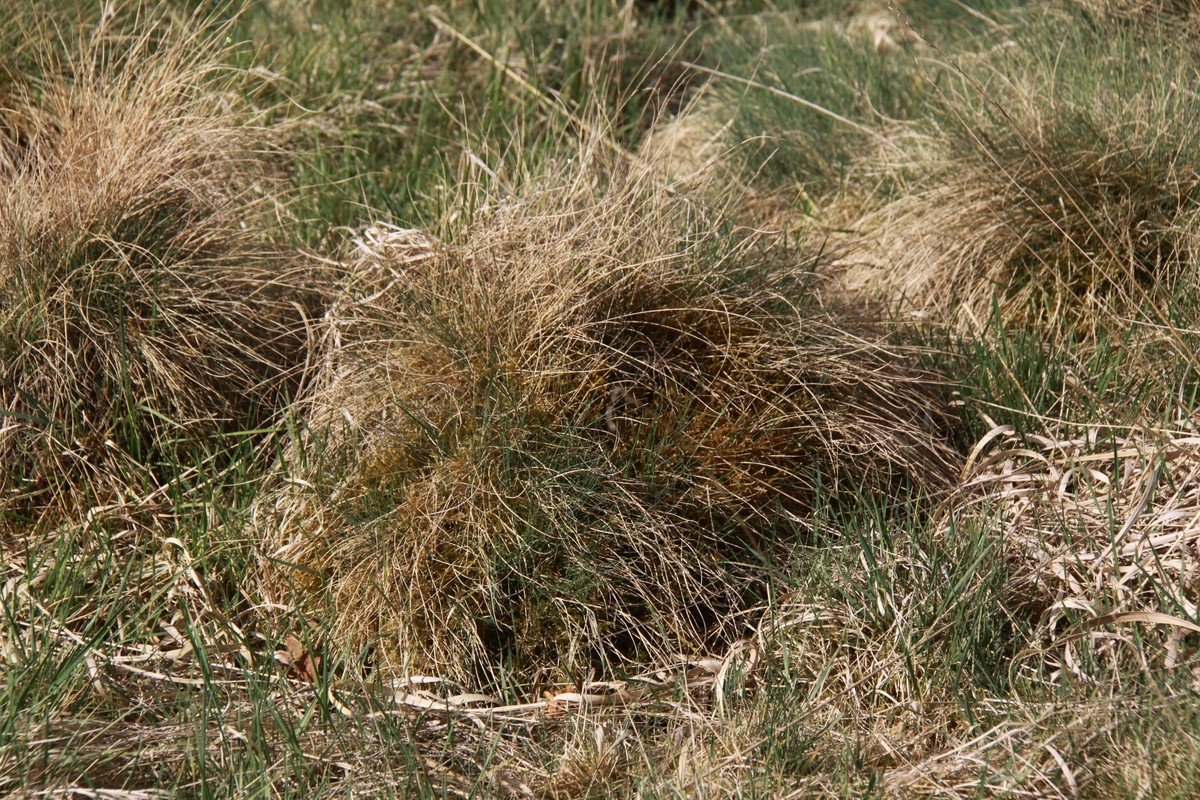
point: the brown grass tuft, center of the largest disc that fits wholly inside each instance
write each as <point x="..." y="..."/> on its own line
<point x="142" y="300"/>
<point x="999" y="233"/>
<point x="554" y="439"/>
<point x="1055" y="180"/>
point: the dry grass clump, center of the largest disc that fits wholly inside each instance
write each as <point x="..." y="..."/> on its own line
<point x="1102" y="538"/>
<point x="142" y="301"/>
<point x="554" y="440"/>
<point x="1139" y="10"/>
<point x="1058" y="179"/>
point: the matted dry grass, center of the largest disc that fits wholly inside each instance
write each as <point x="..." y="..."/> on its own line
<point x="1103" y="536"/>
<point x="572" y="434"/>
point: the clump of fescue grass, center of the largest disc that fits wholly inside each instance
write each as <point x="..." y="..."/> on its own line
<point x="1056" y="177"/>
<point x="568" y="435"/>
<point x="143" y="299"/>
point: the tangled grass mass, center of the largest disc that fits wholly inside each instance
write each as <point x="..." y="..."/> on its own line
<point x="573" y="428"/>
<point x="599" y="399"/>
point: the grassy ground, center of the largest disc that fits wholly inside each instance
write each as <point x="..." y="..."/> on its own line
<point x="599" y="399"/>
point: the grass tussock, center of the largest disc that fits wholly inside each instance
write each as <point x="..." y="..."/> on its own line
<point x="573" y="430"/>
<point x="143" y="299"/>
<point x="595" y="483"/>
<point x="1056" y="177"/>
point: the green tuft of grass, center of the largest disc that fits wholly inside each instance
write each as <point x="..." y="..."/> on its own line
<point x="813" y="91"/>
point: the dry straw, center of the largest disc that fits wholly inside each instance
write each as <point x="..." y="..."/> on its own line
<point x="1103" y="538"/>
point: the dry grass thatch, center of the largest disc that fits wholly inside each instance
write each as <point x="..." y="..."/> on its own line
<point x="553" y="440"/>
<point x="1102" y="536"/>
<point x="141" y="300"/>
